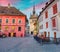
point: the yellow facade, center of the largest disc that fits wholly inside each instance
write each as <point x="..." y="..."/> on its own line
<point x="32" y="21"/>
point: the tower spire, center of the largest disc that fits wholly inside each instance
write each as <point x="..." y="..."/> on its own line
<point x="34" y="9"/>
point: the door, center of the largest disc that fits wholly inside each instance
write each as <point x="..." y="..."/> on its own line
<point x="9" y="35"/>
<point x="31" y="32"/>
<point x="45" y="34"/>
<point x="14" y="34"/>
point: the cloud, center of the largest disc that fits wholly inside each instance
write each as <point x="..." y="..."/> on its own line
<point x="38" y="6"/>
<point x="5" y="2"/>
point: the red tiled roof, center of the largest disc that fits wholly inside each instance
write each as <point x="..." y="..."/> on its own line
<point x="10" y="11"/>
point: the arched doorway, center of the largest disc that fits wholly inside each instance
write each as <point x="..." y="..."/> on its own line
<point x="31" y="32"/>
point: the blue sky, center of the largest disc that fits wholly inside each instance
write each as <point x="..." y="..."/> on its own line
<point x="25" y="6"/>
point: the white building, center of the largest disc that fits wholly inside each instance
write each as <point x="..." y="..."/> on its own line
<point x="49" y="19"/>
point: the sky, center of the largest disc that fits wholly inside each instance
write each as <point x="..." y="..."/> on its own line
<point x="26" y="6"/>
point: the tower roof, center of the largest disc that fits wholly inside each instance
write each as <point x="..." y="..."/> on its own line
<point x="34" y="9"/>
<point x="33" y="16"/>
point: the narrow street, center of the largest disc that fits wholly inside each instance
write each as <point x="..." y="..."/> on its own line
<point x="27" y="44"/>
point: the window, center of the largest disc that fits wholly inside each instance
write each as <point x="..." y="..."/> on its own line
<point x="0" y="20"/>
<point x="41" y="19"/>
<point x="19" y="21"/>
<point x="19" y="28"/>
<point x="13" y="21"/>
<point x="41" y="27"/>
<point x="46" y="24"/>
<point x="13" y="27"/>
<point x="54" y="34"/>
<point x="6" y="27"/>
<point x="0" y="27"/>
<point x="54" y="22"/>
<point x="48" y="34"/>
<point x="46" y="14"/>
<point x="6" y="20"/>
<point x="55" y="9"/>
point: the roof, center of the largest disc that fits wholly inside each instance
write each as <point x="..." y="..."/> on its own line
<point x="10" y="11"/>
<point x="33" y="16"/>
<point x="46" y="7"/>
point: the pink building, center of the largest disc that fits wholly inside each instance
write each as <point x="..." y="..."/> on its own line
<point x="12" y="21"/>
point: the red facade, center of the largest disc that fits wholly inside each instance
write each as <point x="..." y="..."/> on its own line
<point x="12" y="24"/>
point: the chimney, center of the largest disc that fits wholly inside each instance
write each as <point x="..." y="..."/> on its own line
<point x="43" y="8"/>
<point x="9" y="5"/>
<point x="46" y="3"/>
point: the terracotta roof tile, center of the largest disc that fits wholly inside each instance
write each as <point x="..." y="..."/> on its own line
<point x="10" y="11"/>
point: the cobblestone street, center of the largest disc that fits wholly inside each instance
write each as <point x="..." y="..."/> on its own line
<point x="27" y="44"/>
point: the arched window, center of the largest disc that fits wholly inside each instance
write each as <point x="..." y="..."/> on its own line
<point x="6" y="20"/>
<point x="19" y="21"/>
<point x="13" y="20"/>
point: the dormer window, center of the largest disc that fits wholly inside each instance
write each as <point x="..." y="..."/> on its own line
<point x="2" y="11"/>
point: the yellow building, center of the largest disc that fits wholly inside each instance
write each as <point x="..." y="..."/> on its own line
<point x="32" y="22"/>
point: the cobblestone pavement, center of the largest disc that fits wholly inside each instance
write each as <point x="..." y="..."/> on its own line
<point x="27" y="44"/>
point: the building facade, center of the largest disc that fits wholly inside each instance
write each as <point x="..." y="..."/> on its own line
<point x="32" y="22"/>
<point x="12" y="21"/>
<point x="49" y="19"/>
